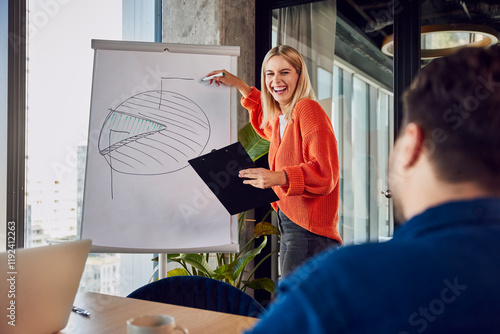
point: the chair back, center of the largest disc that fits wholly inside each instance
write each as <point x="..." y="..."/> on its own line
<point x="199" y="292"/>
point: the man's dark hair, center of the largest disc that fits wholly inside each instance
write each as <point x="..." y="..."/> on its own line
<point x="456" y="101"/>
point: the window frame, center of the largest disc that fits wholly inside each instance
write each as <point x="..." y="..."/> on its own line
<point x="16" y="120"/>
<point x="15" y="179"/>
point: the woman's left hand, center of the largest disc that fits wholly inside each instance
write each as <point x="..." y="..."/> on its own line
<point x="263" y="178"/>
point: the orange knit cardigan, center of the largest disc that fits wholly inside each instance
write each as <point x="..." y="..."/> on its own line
<point x="308" y="154"/>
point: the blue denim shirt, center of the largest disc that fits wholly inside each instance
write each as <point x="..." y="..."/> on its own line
<point x="440" y="273"/>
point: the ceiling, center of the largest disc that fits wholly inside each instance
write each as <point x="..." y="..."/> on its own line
<point x="375" y="17"/>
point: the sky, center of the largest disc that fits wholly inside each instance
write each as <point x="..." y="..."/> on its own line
<point x="60" y="62"/>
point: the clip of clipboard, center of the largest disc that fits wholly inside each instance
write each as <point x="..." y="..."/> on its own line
<point x="219" y="170"/>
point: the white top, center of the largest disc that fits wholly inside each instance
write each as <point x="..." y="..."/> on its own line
<point x="283" y="124"/>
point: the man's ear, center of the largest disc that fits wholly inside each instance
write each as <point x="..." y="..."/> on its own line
<point x="412" y="144"/>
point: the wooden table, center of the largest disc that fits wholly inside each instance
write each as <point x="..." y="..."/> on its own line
<point x="109" y="314"/>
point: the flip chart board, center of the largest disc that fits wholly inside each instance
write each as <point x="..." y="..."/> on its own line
<point x="151" y="113"/>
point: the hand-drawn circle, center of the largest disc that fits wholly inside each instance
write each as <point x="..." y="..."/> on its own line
<point x="154" y="132"/>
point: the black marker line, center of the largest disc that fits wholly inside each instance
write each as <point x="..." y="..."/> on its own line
<point x="180" y="97"/>
<point x="130" y="157"/>
<point x="121" y="161"/>
<point x="163" y="118"/>
<point x="196" y="119"/>
<point x="181" y="142"/>
<point x="176" y="78"/>
<point x="156" y="148"/>
<point x="162" y="143"/>
<point x="149" y="155"/>
<point x="175" y="133"/>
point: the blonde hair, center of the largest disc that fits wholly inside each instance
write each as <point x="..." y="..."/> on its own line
<point x="303" y="89"/>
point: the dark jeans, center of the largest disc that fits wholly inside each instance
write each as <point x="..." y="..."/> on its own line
<point x="298" y="244"/>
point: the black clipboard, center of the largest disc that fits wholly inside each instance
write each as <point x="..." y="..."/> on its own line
<point x="219" y="170"/>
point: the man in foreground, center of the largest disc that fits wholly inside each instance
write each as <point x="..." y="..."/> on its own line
<point x="441" y="271"/>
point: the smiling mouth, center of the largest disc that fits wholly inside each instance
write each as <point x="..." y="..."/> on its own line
<point x="279" y="90"/>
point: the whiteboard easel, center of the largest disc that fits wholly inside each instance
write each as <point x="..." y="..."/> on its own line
<point x="150" y="113"/>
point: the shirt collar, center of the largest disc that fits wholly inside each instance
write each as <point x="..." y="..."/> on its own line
<point x="484" y="211"/>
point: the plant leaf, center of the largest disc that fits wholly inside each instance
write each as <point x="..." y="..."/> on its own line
<point x="174" y="258"/>
<point x="222" y="269"/>
<point x="198" y="262"/>
<point x="252" y="142"/>
<point x="239" y="264"/>
<point x="224" y="272"/>
<point x="152" y="279"/>
<point x="171" y="256"/>
<point x="261" y="283"/>
<point x="177" y="272"/>
<point x="265" y="228"/>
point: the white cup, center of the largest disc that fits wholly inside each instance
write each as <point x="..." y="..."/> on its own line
<point x="153" y="324"/>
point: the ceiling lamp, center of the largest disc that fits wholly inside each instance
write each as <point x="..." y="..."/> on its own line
<point x="443" y="39"/>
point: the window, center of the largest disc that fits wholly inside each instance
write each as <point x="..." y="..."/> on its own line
<point x="324" y="84"/>
<point x="360" y="108"/>
<point x="362" y="120"/>
<point x="59" y="75"/>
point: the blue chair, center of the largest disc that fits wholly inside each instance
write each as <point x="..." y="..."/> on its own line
<point x="199" y="292"/>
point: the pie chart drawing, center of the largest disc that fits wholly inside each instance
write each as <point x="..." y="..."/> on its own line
<point x="152" y="133"/>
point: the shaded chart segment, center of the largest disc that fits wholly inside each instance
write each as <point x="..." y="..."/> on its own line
<point x="130" y="129"/>
<point x="152" y="133"/>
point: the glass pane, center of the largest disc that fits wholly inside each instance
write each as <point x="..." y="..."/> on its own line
<point x="336" y="92"/>
<point x="337" y="128"/>
<point x="324" y="84"/>
<point x="60" y="62"/>
<point x="346" y="153"/>
<point x="361" y="121"/>
<point x="363" y="135"/>
<point x="360" y="182"/>
<point x="448" y="39"/>
<point x="362" y="118"/>
<point x="382" y="133"/>
<point x="274" y="29"/>
<point x="59" y="80"/>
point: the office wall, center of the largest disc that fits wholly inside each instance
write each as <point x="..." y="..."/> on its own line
<point x="215" y="22"/>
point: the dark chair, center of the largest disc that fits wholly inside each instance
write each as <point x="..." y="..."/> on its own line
<point x="199" y="292"/>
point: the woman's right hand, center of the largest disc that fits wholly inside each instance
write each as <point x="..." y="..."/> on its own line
<point x="230" y="80"/>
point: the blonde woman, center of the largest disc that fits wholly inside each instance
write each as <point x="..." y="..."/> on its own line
<point x="303" y="157"/>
